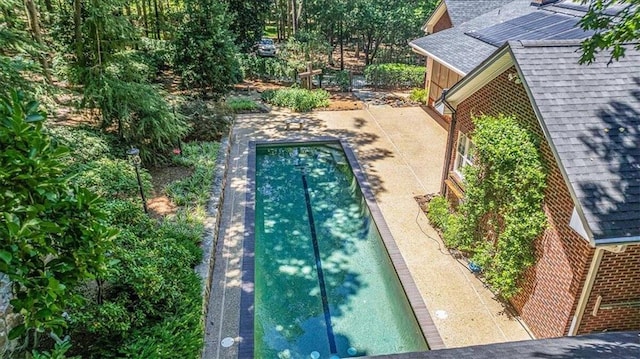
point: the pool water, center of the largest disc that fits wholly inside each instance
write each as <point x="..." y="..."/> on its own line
<point x="324" y="284"/>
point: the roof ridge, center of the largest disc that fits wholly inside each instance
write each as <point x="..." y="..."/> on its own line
<point x="555" y="43"/>
<point x="545" y="43"/>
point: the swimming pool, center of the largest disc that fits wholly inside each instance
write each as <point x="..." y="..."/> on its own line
<point x="324" y="284"/>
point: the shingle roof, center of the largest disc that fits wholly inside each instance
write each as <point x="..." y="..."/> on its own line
<point x="461" y="11"/>
<point x="592" y="118"/>
<point x="464" y="52"/>
<point x="460" y="47"/>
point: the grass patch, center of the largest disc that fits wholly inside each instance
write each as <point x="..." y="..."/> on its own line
<point x="243" y="105"/>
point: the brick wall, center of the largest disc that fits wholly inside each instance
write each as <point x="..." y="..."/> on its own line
<point x="618" y="283"/>
<point x="443" y="23"/>
<point x="552" y="286"/>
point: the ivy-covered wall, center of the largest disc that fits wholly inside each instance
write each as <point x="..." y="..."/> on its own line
<point x="552" y="286"/>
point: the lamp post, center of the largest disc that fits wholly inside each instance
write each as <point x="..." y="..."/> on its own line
<point x="134" y="157"/>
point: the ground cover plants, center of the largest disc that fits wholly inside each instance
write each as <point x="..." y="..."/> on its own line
<point x="124" y="287"/>
<point x="501" y="214"/>
<point x="297" y="99"/>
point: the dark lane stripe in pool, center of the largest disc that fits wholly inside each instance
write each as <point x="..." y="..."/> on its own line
<point x="316" y="252"/>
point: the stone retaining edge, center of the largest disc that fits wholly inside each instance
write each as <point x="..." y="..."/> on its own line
<point x="212" y="222"/>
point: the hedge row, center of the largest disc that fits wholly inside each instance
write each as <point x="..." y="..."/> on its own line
<point x="395" y="75"/>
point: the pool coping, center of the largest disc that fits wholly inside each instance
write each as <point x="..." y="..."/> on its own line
<point x="418" y="306"/>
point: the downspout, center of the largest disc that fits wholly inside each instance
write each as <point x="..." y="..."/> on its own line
<point x="449" y="151"/>
<point x="586" y="291"/>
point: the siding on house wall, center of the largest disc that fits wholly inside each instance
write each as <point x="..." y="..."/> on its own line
<point x="552" y="286"/>
<point x="441" y="77"/>
<point x="443" y="23"/>
<point x="618" y="283"/>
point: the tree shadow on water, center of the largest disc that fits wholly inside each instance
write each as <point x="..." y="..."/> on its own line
<point x="311" y="256"/>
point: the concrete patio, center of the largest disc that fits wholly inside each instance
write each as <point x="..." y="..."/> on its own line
<point x="402" y="151"/>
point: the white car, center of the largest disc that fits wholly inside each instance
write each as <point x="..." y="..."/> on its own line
<point x="266" y="47"/>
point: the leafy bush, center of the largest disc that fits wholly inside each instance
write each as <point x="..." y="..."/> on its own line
<point x="395" y="75"/>
<point x="419" y="95"/>
<point x="150" y="284"/>
<point x="113" y="178"/>
<point x="342" y="79"/>
<point x="208" y="121"/>
<point x="452" y="233"/>
<point x="195" y="189"/>
<point x="266" y="68"/>
<point x="297" y="99"/>
<point x="158" y="53"/>
<point x="44" y="217"/>
<point x="438" y="212"/>
<point x="502" y="213"/>
<point x="240" y="105"/>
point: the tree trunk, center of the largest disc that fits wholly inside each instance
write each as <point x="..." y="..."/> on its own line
<point x="157" y="27"/>
<point x="341" y="45"/>
<point x="294" y="16"/>
<point x="144" y="19"/>
<point x="34" y="24"/>
<point x="48" y="6"/>
<point x="161" y="25"/>
<point x="8" y="17"/>
<point x="77" y="23"/>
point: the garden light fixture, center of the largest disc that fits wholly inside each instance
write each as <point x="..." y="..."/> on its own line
<point x="134" y="156"/>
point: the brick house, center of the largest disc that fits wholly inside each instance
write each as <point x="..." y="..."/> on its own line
<point x="460" y="34"/>
<point x="586" y="275"/>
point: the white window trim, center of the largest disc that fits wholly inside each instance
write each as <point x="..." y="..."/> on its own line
<point x="466" y="160"/>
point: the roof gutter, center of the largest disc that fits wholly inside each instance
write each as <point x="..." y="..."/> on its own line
<point x="586" y="291"/>
<point x="419" y="50"/>
<point x="449" y="151"/>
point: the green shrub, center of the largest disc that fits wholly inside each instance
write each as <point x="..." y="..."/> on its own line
<point x="150" y="283"/>
<point x="113" y="178"/>
<point x="54" y="235"/>
<point x="342" y="79"/>
<point x="297" y="99"/>
<point x="438" y="212"/>
<point x="395" y="75"/>
<point x="158" y="53"/>
<point x="452" y="234"/>
<point x="208" y="121"/>
<point x="419" y="95"/>
<point x="240" y="105"/>
<point x="201" y="156"/>
<point x="502" y="212"/>
<point x="59" y="351"/>
<point x="266" y="68"/>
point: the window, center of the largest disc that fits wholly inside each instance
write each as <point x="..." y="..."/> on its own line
<point x="464" y="155"/>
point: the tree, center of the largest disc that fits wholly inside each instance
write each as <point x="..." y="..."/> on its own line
<point x="611" y="32"/>
<point x="205" y="53"/>
<point x="249" y="18"/>
<point x="53" y="234"/>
